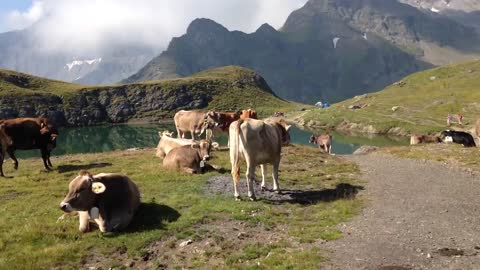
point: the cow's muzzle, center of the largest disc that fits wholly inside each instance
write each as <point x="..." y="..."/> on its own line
<point x="66" y="207"/>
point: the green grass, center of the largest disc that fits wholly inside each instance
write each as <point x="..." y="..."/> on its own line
<point x="424" y="100"/>
<point x="175" y="207"/>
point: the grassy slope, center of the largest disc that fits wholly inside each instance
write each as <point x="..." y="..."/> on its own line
<point x="425" y="99"/>
<point x="31" y="237"/>
<point x="226" y="95"/>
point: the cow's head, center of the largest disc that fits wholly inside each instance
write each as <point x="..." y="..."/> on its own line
<point x="211" y="119"/>
<point x="203" y="148"/>
<point x="82" y="193"/>
<point x="313" y="139"/>
<point x="165" y="133"/>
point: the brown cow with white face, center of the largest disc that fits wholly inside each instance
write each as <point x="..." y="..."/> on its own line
<point x="190" y="121"/>
<point x="417" y="139"/>
<point x="324" y="141"/>
<point x="188" y="158"/>
<point x="109" y="199"/>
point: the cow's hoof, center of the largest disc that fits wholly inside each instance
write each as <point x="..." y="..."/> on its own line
<point x="238" y="199"/>
<point x="15" y="166"/>
<point x="264" y="189"/>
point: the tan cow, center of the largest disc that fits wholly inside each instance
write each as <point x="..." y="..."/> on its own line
<point x="259" y="142"/>
<point x="190" y="121"/>
<point x="417" y="139"/>
<point x="188" y="158"/>
<point x="109" y="199"/>
<point x="323" y="141"/>
<point x="167" y="143"/>
<point x="5" y="141"/>
<point x="477" y="127"/>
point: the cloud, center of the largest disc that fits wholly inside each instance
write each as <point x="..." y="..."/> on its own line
<point x="90" y="24"/>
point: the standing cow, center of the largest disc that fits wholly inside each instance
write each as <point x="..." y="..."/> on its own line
<point x="31" y="133"/>
<point x="190" y="121"/>
<point x="323" y="141"/>
<point x="109" y="199"/>
<point x="259" y="142"/>
<point x="460" y="137"/>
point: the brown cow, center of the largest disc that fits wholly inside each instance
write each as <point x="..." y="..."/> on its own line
<point x="188" y="158"/>
<point x="248" y="114"/>
<point x="109" y="199"/>
<point x="323" y="141"/>
<point x="190" y="121"/>
<point x="477" y="128"/>
<point x="6" y="142"/>
<point x="417" y="139"/>
<point x="31" y="133"/>
<point x="167" y="143"/>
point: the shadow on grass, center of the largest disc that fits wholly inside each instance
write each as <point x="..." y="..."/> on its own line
<point x="152" y="216"/>
<point x="341" y="191"/>
<point x="69" y="168"/>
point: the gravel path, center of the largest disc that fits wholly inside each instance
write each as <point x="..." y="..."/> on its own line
<point x="418" y="215"/>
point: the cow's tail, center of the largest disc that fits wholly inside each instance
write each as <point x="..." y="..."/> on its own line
<point x="234" y="137"/>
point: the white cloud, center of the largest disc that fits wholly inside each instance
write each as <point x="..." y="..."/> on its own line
<point x="87" y="24"/>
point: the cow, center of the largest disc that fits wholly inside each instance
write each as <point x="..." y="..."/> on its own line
<point x="6" y="142"/>
<point x="188" y="158"/>
<point x="477" y="128"/>
<point x="31" y="133"/>
<point x="460" y="137"/>
<point x="259" y="142"/>
<point x="324" y="141"/>
<point x="190" y="121"/>
<point x="417" y="139"/>
<point x="249" y="113"/>
<point x="167" y="143"/>
<point x="110" y="200"/>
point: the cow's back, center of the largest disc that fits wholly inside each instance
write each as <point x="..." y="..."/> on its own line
<point x="25" y="132"/>
<point x="182" y="157"/>
<point x="167" y="144"/>
<point x="186" y="120"/>
<point x="120" y="199"/>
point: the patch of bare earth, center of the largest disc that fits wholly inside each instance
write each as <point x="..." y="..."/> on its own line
<point x="419" y="215"/>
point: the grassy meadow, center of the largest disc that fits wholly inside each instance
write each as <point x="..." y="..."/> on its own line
<point x="225" y="234"/>
<point x="423" y="99"/>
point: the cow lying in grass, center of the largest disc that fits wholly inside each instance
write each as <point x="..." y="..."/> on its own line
<point x="460" y="137"/>
<point x="418" y="139"/>
<point x="323" y="141"/>
<point x="189" y="158"/>
<point x="110" y="200"/>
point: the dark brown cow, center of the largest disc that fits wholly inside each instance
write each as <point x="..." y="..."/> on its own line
<point x="31" y="133"/>
<point x="188" y="158"/>
<point x="6" y="142"/>
<point x="324" y="141"/>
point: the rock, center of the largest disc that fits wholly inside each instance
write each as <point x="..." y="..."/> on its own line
<point x="354" y="107"/>
<point x="395" y="108"/>
<point x="432" y="78"/>
<point x="186" y="243"/>
<point x="365" y="149"/>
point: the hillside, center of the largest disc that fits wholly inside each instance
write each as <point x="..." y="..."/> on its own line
<point x="227" y="88"/>
<point x="424" y="99"/>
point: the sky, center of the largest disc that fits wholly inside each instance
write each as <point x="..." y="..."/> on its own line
<point x="62" y="24"/>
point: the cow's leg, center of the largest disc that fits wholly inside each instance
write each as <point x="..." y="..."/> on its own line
<point x="48" y="160"/>
<point x="262" y="167"/>
<point x="102" y="225"/>
<point x="236" y="179"/>
<point x="276" y="187"/>
<point x="84" y="220"/>
<point x="250" y="177"/>
<point x="44" y="153"/>
<point x="1" y="163"/>
<point x="326" y="148"/>
<point x="330" y="149"/>
<point x="193" y="134"/>
<point x="14" y="159"/>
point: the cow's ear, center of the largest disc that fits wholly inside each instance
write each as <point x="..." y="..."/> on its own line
<point x="98" y="187"/>
<point x="195" y="146"/>
<point x="287" y="127"/>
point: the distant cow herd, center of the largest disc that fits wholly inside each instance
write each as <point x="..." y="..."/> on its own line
<point x="110" y="200"/>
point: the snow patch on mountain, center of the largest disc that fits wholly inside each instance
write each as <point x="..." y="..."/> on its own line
<point x="82" y="62"/>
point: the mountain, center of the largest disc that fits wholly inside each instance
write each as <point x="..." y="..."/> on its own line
<point x="466" y="12"/>
<point x="20" y="51"/>
<point x="327" y="50"/>
<point x="227" y="88"/>
<point x="417" y="103"/>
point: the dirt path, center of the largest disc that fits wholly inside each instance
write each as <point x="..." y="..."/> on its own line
<point x="418" y="215"/>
